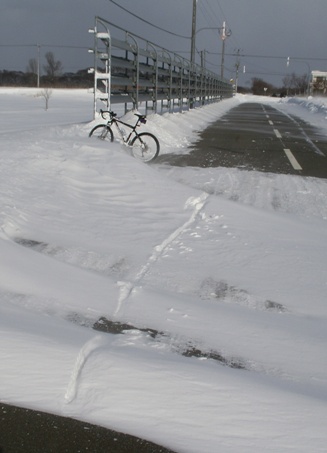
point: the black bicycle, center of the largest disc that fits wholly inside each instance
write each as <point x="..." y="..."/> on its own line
<point x="145" y="146"/>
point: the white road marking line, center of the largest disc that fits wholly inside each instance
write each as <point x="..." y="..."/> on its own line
<point x="292" y="159"/>
<point x="271" y="123"/>
<point x="277" y="133"/>
<point x="308" y="139"/>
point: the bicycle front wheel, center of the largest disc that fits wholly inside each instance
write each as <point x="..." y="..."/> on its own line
<point x="103" y="132"/>
<point x="145" y="147"/>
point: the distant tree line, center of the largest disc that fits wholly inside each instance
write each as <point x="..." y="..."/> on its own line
<point x="53" y="75"/>
<point x="292" y="85"/>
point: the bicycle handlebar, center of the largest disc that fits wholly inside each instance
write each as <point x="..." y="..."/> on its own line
<point x="141" y="118"/>
<point x="111" y="114"/>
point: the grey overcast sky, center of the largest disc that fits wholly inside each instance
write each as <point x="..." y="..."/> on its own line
<point x="265" y="32"/>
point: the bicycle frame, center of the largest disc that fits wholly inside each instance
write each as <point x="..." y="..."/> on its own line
<point x="144" y="145"/>
<point x="113" y="120"/>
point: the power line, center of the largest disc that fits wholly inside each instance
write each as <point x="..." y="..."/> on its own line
<point x="212" y="11"/>
<point x="43" y="45"/>
<point x="149" y="23"/>
<point x="222" y="12"/>
<point x="283" y="57"/>
<point x="273" y="57"/>
<point x="207" y="15"/>
<point x="279" y="74"/>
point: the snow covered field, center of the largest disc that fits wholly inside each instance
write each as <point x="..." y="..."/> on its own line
<point x="228" y="269"/>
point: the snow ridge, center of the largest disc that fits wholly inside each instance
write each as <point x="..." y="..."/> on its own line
<point x="197" y="203"/>
<point x="88" y="348"/>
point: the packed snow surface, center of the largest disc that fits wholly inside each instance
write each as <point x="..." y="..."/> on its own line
<point x="219" y="273"/>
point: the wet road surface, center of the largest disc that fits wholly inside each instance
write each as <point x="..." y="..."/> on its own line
<point x="255" y="136"/>
<point x="27" y="431"/>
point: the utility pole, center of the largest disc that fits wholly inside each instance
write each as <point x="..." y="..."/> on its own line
<point x="203" y="59"/>
<point x="193" y="32"/>
<point x="225" y="33"/>
<point x="237" y="66"/>
<point x="38" y="65"/>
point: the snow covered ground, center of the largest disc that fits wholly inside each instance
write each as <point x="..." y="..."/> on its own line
<point x="226" y="267"/>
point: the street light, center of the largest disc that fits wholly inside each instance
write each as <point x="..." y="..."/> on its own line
<point x="224" y="34"/>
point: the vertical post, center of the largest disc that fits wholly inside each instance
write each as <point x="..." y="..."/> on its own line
<point x="237" y="66"/>
<point x="94" y="69"/>
<point x="38" y="65"/>
<point x="310" y="83"/>
<point x="223" y="37"/>
<point x="191" y="100"/>
<point x="154" y="58"/>
<point x="193" y="32"/>
<point x="135" y="51"/>
<point x="203" y="76"/>
<point x="179" y="63"/>
<point x="203" y="58"/>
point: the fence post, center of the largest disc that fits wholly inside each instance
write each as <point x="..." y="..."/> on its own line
<point x="148" y="73"/>
<point x="155" y="84"/>
<point x="136" y="78"/>
<point x="102" y="57"/>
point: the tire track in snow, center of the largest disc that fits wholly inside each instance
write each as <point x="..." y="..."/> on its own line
<point x="197" y="203"/>
<point x="89" y="347"/>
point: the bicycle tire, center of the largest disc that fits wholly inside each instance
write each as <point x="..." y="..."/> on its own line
<point x="102" y="132"/>
<point x="145" y="147"/>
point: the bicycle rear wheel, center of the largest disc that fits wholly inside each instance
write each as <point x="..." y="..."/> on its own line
<point x="145" y="147"/>
<point x="103" y="132"/>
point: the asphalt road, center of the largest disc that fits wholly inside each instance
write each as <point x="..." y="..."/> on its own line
<point x="255" y="136"/>
<point x="27" y="431"/>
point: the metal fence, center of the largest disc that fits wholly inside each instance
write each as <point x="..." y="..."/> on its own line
<point x="131" y="70"/>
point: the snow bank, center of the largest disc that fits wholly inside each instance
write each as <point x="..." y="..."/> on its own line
<point x="219" y="274"/>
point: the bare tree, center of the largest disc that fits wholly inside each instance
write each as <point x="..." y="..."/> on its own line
<point x="54" y="67"/>
<point x="295" y="84"/>
<point x="46" y="94"/>
<point x="301" y="83"/>
<point x="287" y="83"/>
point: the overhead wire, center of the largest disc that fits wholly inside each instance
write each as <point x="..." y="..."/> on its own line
<point x="208" y="13"/>
<point x="204" y="8"/>
<point x="214" y="19"/>
<point x="148" y="22"/>
<point x="221" y="9"/>
<point x="211" y="12"/>
<point x="221" y="19"/>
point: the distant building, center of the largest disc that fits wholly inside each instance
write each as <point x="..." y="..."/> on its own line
<point x="318" y="83"/>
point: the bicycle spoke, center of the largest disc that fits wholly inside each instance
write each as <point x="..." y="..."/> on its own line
<point x="102" y="132"/>
<point x="145" y="147"/>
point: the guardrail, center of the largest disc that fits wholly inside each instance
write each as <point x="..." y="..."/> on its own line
<point x="131" y="70"/>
